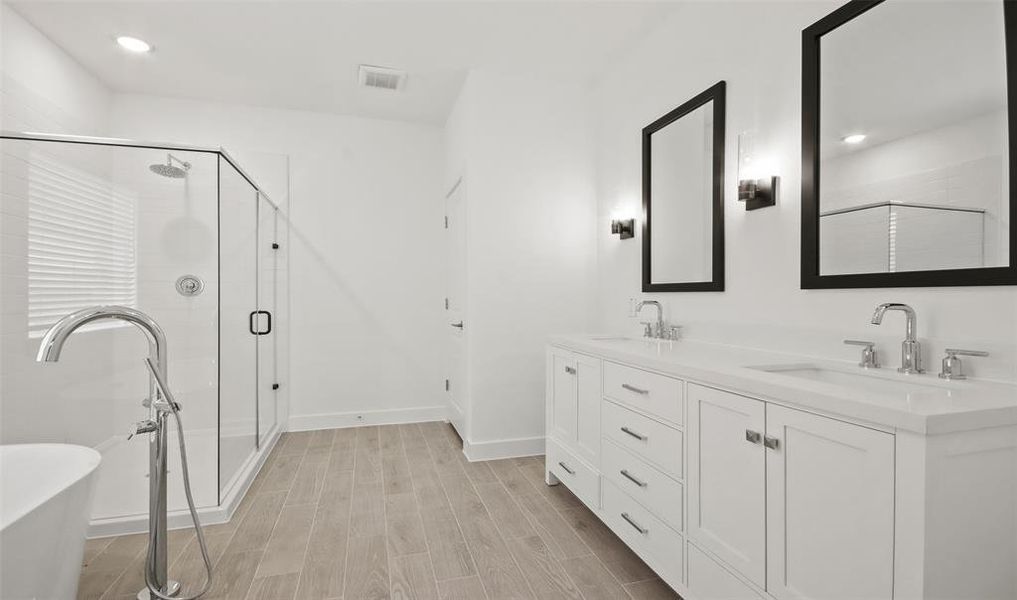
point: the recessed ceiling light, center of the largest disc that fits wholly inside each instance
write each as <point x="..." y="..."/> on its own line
<point x="854" y="138"/>
<point x="133" y="44"/>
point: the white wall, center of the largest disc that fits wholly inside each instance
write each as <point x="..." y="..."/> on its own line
<point x="365" y="253"/>
<point x="523" y="147"/>
<point x="43" y="88"/>
<point x="763" y="305"/>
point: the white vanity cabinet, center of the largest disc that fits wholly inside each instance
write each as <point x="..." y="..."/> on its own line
<point x="727" y="478"/>
<point x="573" y="421"/>
<point x="732" y="487"/>
<point x="799" y="504"/>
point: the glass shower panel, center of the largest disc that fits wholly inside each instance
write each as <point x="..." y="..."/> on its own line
<point x="238" y="300"/>
<point x="267" y="303"/>
<point x="90" y="224"/>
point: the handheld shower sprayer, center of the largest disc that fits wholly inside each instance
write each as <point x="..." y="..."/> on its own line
<point x="157" y="582"/>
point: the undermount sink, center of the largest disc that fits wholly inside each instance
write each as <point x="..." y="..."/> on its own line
<point x="875" y="381"/>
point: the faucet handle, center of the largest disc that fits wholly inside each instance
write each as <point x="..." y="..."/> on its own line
<point x="869" y="359"/>
<point x="147" y="426"/>
<point x="647" y="328"/>
<point x="953" y="367"/>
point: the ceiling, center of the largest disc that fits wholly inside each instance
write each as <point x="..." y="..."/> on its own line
<point x="304" y="55"/>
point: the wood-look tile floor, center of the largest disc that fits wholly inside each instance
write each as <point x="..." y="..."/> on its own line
<point x="391" y="512"/>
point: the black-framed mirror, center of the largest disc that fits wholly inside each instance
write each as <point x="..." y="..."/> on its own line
<point x="909" y="126"/>
<point x="683" y="197"/>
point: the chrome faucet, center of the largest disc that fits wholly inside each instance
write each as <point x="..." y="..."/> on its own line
<point x="657" y="327"/>
<point x="49" y="351"/>
<point x="659" y="330"/>
<point x="910" y="348"/>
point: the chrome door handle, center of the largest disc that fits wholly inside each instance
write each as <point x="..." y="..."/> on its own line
<point x="753" y="436"/>
<point x="771" y="442"/>
<point x="570" y="370"/>
<point x="633" y="479"/>
<point x="566" y="467"/>
<point x="633" y="388"/>
<point x="637" y="526"/>
<point x="458" y="325"/>
<point x="638" y="436"/>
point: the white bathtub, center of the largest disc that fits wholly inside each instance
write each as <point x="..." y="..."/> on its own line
<point x="45" y="503"/>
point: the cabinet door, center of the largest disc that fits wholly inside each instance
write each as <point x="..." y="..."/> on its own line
<point x="588" y="382"/>
<point x="727" y="478"/>
<point x="829" y="508"/>
<point x="562" y="410"/>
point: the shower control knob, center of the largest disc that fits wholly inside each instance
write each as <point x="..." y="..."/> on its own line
<point x="146" y="426"/>
<point x="190" y="285"/>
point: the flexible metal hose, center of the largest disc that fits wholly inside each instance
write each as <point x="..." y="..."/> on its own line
<point x="150" y="558"/>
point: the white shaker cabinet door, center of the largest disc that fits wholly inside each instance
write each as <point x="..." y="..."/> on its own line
<point x="830" y="504"/>
<point x="562" y="408"/>
<point x="727" y="478"/>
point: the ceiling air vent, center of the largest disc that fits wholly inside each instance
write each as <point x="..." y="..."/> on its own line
<point x="382" y="78"/>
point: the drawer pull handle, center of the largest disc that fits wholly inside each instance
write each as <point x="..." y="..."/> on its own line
<point x="637" y="526"/>
<point x="771" y="442"/>
<point x="633" y="478"/>
<point x="570" y="370"/>
<point x="753" y="436"/>
<point x="633" y="388"/>
<point x="566" y="467"/>
<point x="638" y="436"/>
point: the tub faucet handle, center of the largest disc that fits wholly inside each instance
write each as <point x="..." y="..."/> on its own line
<point x="146" y="426"/>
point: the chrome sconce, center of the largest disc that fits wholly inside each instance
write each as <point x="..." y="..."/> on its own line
<point x="753" y="190"/>
<point x="624" y="228"/>
<point x="757" y="193"/>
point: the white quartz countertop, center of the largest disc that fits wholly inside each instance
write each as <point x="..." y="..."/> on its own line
<point x="919" y="403"/>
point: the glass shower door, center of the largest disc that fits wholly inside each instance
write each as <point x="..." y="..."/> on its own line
<point x="268" y="321"/>
<point x="238" y="301"/>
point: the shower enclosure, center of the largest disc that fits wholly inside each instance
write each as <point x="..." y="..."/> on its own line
<point x="181" y="233"/>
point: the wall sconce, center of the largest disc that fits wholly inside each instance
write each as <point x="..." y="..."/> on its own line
<point x="624" y="228"/>
<point x="754" y="188"/>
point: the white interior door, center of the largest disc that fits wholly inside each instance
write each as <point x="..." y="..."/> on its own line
<point x="455" y="307"/>
<point x="829" y="508"/>
<point x="727" y="478"/>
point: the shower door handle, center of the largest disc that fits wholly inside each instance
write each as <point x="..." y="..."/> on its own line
<point x="251" y="319"/>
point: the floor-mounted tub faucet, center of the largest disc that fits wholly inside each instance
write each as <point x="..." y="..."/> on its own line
<point x="910" y="348"/>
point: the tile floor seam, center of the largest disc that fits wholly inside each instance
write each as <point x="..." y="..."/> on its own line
<point x="455" y="517"/>
<point x="420" y="516"/>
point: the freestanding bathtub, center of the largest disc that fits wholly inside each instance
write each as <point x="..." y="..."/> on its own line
<point x="45" y="503"/>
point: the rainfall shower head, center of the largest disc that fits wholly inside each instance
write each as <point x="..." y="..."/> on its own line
<point x="169" y="169"/>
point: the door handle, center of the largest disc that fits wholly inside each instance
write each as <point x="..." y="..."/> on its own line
<point x="570" y="370"/>
<point x="771" y="442"/>
<point x="251" y="319"/>
<point x="633" y="388"/>
<point x="753" y="436"/>
<point x="566" y="467"/>
<point x="458" y="325"/>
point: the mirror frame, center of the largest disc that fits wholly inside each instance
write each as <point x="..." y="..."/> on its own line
<point x="811" y="277"/>
<point x="715" y="94"/>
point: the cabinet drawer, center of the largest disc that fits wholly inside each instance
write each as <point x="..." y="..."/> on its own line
<point x="577" y="476"/>
<point x="710" y="581"/>
<point x="660" y="546"/>
<point x="649" y="439"/>
<point x="648" y="485"/>
<point x="656" y="394"/>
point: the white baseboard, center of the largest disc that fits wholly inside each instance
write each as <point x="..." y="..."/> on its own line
<point x="181" y="519"/>
<point x="498" y="449"/>
<point x="370" y="417"/>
